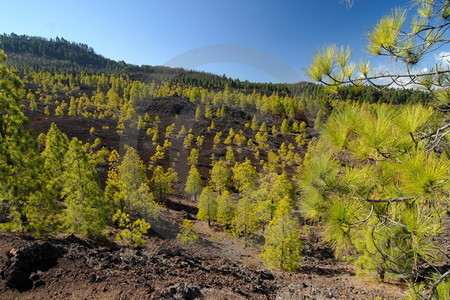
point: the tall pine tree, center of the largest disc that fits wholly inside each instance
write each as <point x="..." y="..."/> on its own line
<point x="20" y="165"/>
<point x="84" y="206"/>
<point x="282" y="247"/>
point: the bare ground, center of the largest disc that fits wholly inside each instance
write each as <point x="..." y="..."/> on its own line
<point x="219" y="266"/>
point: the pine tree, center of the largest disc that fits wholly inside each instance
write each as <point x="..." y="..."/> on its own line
<point x="20" y="164"/>
<point x="225" y="208"/>
<point x="405" y="187"/>
<point x="207" y="205"/>
<point x="245" y="176"/>
<point x="397" y="200"/>
<point x="282" y="247"/>
<point x="82" y="196"/>
<point x="44" y="214"/>
<point x="229" y="156"/>
<point x="198" y="112"/>
<point x="254" y="125"/>
<point x="56" y="146"/>
<point x="132" y="176"/>
<point x="245" y="220"/>
<point x="199" y="141"/>
<point x="187" y="232"/>
<point x="217" y="138"/>
<point x="284" y="128"/>
<point x="162" y="182"/>
<point x="113" y="198"/>
<point x="219" y="176"/>
<point x="193" y="157"/>
<point x="131" y="232"/>
<point x="187" y="143"/>
<point x="272" y="189"/>
<point x="134" y="196"/>
<point x="194" y="184"/>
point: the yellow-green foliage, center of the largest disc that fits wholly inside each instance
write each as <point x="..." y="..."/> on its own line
<point x="187" y="232"/>
<point x="282" y="247"/>
<point x="226" y="208"/>
<point x="207" y="205"/>
<point x="194" y="184"/>
<point x="245" y="221"/>
<point x="219" y="176"/>
<point x="245" y="176"/>
<point x="131" y="232"/>
<point x="376" y="188"/>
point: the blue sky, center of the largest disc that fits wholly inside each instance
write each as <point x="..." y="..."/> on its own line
<point x="236" y="38"/>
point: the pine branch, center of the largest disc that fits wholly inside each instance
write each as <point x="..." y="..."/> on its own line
<point x="393" y="77"/>
<point x="401" y="199"/>
<point x="444" y="276"/>
<point x="365" y="219"/>
<point x="436" y="132"/>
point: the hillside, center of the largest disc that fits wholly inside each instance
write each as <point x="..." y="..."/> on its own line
<point x="144" y="182"/>
<point x="60" y="55"/>
<point x="224" y="265"/>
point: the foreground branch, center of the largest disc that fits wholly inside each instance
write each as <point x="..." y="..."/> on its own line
<point x="442" y="278"/>
<point x="401" y="199"/>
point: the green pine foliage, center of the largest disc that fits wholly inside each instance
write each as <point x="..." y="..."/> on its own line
<point x="226" y="208"/>
<point x="245" y="221"/>
<point x="131" y="232"/>
<point x="130" y="190"/>
<point x="376" y="188"/>
<point x="46" y="219"/>
<point x="193" y="156"/>
<point x="194" y="183"/>
<point x="272" y="189"/>
<point x="207" y="205"/>
<point x="282" y="246"/>
<point x="20" y="165"/>
<point x="187" y="234"/>
<point x="82" y="195"/>
<point x="220" y="176"/>
<point x="162" y="183"/>
<point x="245" y="176"/>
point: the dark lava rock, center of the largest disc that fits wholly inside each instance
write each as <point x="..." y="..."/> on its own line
<point x="265" y="274"/>
<point x="25" y="263"/>
<point x="167" y="105"/>
<point x="184" y="291"/>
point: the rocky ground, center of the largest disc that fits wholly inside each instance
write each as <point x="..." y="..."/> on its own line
<point x="75" y="268"/>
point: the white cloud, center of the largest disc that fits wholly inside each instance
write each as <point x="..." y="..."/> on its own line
<point x="443" y="58"/>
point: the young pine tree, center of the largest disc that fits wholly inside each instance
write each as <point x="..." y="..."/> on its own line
<point x="56" y="146"/>
<point x="187" y="232"/>
<point x="194" y="184"/>
<point x="162" y="182"/>
<point x="46" y="218"/>
<point x="245" y="176"/>
<point x="220" y="176"/>
<point x="112" y="196"/>
<point x="226" y="208"/>
<point x="207" y="205"/>
<point x="135" y="196"/>
<point x="282" y="247"/>
<point x="82" y="196"/>
<point x="245" y="221"/>
<point x="20" y="165"/>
